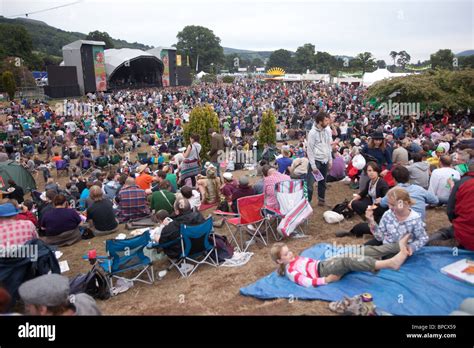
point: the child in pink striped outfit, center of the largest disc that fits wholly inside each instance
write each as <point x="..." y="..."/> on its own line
<point x="309" y="272"/>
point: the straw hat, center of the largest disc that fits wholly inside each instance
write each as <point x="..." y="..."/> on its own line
<point x="141" y="168"/>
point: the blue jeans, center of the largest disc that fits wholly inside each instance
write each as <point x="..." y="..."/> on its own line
<point x="323" y="168"/>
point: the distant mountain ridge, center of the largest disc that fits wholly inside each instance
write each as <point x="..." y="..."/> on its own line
<point x="50" y="40"/>
<point x="465" y="53"/>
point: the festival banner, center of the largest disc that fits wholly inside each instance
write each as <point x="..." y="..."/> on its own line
<point x="166" y="71"/>
<point x="99" y="68"/>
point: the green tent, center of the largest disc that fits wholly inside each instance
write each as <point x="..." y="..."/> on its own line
<point x="22" y="177"/>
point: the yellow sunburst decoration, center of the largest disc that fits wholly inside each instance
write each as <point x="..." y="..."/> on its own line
<point x="276" y="72"/>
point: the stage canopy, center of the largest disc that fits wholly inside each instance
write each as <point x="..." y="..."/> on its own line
<point x="132" y="67"/>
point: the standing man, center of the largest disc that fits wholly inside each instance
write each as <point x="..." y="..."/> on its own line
<point x="319" y="156"/>
<point x="217" y="145"/>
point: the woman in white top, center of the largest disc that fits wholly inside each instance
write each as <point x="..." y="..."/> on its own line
<point x="439" y="181"/>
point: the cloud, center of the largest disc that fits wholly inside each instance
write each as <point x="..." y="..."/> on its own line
<point x="338" y="27"/>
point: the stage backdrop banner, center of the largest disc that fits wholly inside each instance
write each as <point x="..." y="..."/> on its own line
<point x="99" y="68"/>
<point x="166" y="71"/>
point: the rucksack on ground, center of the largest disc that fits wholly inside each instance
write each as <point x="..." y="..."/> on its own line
<point x="93" y="283"/>
<point x="343" y="209"/>
<point x="225" y="250"/>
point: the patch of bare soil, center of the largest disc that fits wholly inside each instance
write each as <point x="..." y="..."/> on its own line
<point x="215" y="291"/>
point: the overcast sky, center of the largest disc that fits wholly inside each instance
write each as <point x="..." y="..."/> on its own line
<point x="339" y="27"/>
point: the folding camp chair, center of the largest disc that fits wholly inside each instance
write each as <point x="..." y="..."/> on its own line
<point x="127" y="255"/>
<point x="249" y="213"/>
<point x="142" y="157"/>
<point x="62" y="166"/>
<point x="103" y="162"/>
<point x="195" y="247"/>
<point x="294" y="208"/>
<point x="115" y="159"/>
<point x="86" y="166"/>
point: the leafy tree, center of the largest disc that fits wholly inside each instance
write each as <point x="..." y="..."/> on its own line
<point x="257" y="63"/>
<point x="267" y="130"/>
<point x="229" y="62"/>
<point x="228" y="79"/>
<point x="442" y="59"/>
<point x="433" y="89"/>
<point x="15" y="41"/>
<point x="209" y="78"/>
<point x="9" y="85"/>
<point x="201" y="119"/>
<point x="394" y="55"/>
<point x="196" y="41"/>
<point x="467" y="61"/>
<point x="381" y="64"/>
<point x="281" y="59"/>
<point x="324" y="62"/>
<point x="404" y="58"/>
<point x="304" y="58"/>
<point x="101" y="36"/>
<point x="365" y="61"/>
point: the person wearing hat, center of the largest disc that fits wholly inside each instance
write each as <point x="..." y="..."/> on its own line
<point x="243" y="190"/>
<point x="144" y="179"/>
<point x="209" y="186"/>
<point x="230" y="185"/>
<point x="49" y="295"/>
<point x="12" y="231"/>
<point x="377" y="149"/>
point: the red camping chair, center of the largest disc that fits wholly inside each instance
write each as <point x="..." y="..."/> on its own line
<point x="249" y="213"/>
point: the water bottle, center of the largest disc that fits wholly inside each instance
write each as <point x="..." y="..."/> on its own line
<point x="447" y="182"/>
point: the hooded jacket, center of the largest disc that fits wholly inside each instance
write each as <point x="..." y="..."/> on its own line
<point x="419" y="174"/>
<point x="171" y="232"/>
<point x="319" y="146"/>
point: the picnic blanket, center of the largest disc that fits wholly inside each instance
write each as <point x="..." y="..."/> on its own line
<point x="418" y="288"/>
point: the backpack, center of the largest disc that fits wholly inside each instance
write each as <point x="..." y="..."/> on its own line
<point x="224" y="249"/>
<point x="93" y="283"/>
<point x="343" y="209"/>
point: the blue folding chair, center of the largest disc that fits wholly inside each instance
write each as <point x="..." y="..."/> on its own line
<point x="127" y="255"/>
<point x="196" y="248"/>
<point x="62" y="166"/>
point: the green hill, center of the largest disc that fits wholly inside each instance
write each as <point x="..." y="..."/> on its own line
<point x="50" y="40"/>
<point x="246" y="54"/>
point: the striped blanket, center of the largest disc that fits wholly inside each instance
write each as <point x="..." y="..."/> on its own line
<point x="294" y="207"/>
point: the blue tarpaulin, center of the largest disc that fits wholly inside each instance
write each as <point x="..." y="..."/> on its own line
<point x="418" y="288"/>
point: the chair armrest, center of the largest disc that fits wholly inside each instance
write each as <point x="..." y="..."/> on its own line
<point x="223" y="213"/>
<point x="154" y="245"/>
<point x="271" y="210"/>
<point x="86" y="257"/>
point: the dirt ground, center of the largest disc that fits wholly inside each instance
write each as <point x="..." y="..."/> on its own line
<point x="215" y="291"/>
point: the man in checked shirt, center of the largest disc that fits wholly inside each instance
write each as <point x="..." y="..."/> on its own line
<point x="14" y="232"/>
